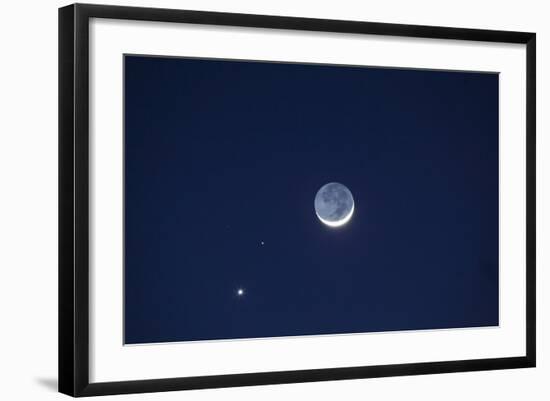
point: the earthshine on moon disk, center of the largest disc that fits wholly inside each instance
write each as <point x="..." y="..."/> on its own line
<point x="334" y="204"/>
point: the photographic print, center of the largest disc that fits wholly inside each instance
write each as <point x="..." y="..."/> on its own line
<point x="257" y="199"/>
<point x="269" y="199"/>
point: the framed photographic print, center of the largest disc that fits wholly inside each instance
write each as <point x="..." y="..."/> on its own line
<point x="248" y="199"/>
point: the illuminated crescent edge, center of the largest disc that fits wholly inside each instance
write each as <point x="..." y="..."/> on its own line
<point x="338" y="223"/>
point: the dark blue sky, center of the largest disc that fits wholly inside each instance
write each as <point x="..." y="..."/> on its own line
<point x="221" y="156"/>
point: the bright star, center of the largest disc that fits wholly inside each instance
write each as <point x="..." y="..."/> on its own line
<point x="240" y="292"/>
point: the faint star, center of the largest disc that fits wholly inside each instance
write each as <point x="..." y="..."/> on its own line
<point x="262" y="243"/>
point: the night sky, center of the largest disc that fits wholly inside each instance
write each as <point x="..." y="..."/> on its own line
<point x="222" y="163"/>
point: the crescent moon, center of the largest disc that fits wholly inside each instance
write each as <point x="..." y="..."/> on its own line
<point x="339" y="222"/>
<point x="334" y="204"/>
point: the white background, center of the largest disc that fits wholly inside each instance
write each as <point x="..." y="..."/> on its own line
<point x="28" y="205"/>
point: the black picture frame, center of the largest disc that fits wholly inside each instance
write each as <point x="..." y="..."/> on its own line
<point x="74" y="198"/>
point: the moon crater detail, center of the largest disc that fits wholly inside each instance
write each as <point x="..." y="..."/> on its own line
<point x="334" y="204"/>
